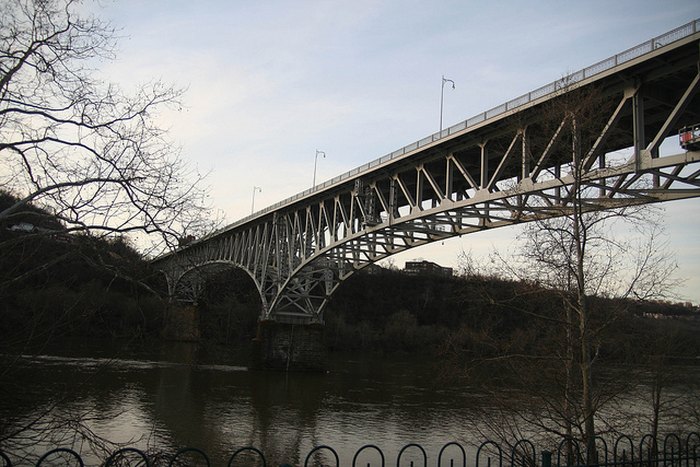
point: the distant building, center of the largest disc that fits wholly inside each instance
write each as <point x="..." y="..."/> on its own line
<point x="416" y="268"/>
<point x="23" y="227"/>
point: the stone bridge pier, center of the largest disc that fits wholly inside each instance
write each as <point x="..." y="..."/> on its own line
<point x="283" y="341"/>
<point x="182" y="322"/>
<point x="276" y="346"/>
<point x="289" y="347"/>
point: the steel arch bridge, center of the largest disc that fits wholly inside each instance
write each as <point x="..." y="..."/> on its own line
<point x="508" y="165"/>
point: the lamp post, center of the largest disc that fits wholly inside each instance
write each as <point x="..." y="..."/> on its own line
<point x="316" y="163"/>
<point x="442" y="95"/>
<point x="252" y="205"/>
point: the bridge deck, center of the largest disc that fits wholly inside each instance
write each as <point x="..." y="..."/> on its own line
<point x="599" y="71"/>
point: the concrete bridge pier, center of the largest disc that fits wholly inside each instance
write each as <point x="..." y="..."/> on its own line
<point x="285" y="346"/>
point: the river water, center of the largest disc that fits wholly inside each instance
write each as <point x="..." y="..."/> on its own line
<point x="164" y="397"/>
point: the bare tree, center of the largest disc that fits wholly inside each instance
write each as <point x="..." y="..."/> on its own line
<point x="84" y="149"/>
<point x="78" y="155"/>
<point x="585" y="252"/>
<point x="580" y="251"/>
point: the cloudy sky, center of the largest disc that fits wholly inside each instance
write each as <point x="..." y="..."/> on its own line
<point x="270" y="82"/>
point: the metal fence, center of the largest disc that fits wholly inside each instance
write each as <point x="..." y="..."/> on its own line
<point x="672" y="451"/>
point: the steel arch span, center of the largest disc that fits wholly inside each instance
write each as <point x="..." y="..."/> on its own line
<point x="508" y="165"/>
<point x="187" y="283"/>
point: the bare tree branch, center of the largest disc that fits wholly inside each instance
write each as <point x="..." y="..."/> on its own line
<point x="83" y="149"/>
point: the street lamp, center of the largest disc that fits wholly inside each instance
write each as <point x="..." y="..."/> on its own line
<point x="316" y="163"/>
<point x="252" y="205"/>
<point x="442" y="94"/>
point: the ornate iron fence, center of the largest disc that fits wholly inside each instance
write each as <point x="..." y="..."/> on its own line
<point x="672" y="451"/>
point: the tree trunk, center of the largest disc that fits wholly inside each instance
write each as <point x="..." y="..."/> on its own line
<point x="580" y="239"/>
<point x="569" y="385"/>
<point x="587" y="386"/>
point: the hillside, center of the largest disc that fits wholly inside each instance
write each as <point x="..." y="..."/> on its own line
<point x="391" y="310"/>
<point x="58" y="284"/>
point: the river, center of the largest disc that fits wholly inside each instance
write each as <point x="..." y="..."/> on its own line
<point x="167" y="396"/>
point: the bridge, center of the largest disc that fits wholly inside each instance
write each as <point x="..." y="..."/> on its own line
<point x="511" y="164"/>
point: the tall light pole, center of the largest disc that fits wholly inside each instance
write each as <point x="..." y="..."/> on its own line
<point x="252" y="205"/>
<point x="442" y="95"/>
<point x="316" y="163"/>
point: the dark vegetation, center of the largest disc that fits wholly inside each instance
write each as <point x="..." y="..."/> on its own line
<point x="229" y="308"/>
<point x="476" y="318"/>
<point x="54" y="284"/>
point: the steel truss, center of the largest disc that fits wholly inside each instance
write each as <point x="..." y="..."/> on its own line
<point x="513" y="168"/>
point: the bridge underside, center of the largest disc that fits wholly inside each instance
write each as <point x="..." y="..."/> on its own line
<point x="608" y="141"/>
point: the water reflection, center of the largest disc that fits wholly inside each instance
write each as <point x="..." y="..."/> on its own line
<point x="174" y="396"/>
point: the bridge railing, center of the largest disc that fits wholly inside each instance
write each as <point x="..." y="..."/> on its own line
<point x="669" y="451"/>
<point x="632" y="53"/>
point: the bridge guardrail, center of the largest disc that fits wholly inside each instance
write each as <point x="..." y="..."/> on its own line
<point x="648" y="46"/>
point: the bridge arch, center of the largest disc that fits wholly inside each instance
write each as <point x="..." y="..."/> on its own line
<point x="495" y="169"/>
<point x="186" y="284"/>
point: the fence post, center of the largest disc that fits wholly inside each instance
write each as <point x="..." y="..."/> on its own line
<point x="546" y="458"/>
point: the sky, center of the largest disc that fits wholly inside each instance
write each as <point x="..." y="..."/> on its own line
<point x="270" y="82"/>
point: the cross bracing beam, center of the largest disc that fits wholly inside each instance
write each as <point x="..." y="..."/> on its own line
<point x="603" y="131"/>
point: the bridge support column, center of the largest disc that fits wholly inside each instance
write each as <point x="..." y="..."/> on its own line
<point x="283" y="346"/>
<point x="181" y="322"/>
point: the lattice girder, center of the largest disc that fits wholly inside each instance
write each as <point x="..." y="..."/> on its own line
<point x="513" y="168"/>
